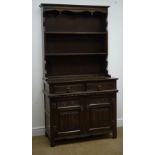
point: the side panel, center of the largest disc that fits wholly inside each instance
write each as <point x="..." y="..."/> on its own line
<point x="47" y="115"/>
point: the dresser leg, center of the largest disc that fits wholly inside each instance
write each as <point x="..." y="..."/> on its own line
<point x="114" y="133"/>
<point x="52" y="137"/>
<point x="46" y="134"/>
<point x="52" y="143"/>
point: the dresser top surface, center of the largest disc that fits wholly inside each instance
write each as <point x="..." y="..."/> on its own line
<point x="77" y="78"/>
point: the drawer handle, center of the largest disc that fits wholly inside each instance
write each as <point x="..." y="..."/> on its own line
<point x="99" y="87"/>
<point x="68" y="89"/>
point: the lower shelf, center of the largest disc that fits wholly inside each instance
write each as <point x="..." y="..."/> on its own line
<point x="84" y="137"/>
<point x="108" y="132"/>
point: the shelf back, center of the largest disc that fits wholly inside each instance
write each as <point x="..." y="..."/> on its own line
<point x="76" y="65"/>
<point x="71" y="21"/>
<point x="73" y="43"/>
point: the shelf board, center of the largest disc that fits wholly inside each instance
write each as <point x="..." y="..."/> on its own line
<point x="75" y="33"/>
<point x="77" y="78"/>
<point x="72" y="54"/>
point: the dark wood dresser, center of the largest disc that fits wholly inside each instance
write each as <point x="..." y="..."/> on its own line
<point x="79" y="94"/>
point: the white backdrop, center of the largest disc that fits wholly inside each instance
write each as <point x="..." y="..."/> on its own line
<point x="115" y="28"/>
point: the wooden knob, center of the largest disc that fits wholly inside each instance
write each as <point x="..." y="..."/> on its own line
<point x="99" y="87"/>
<point x="68" y="89"/>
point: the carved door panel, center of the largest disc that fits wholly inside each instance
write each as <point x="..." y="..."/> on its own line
<point x="99" y="114"/>
<point x="69" y="117"/>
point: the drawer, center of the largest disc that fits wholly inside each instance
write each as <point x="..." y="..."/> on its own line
<point x="99" y="86"/>
<point x="68" y="104"/>
<point x="68" y="88"/>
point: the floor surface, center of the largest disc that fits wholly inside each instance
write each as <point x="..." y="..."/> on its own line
<point x="104" y="146"/>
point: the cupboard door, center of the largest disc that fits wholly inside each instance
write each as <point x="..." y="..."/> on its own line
<point x="69" y="118"/>
<point x="99" y="114"/>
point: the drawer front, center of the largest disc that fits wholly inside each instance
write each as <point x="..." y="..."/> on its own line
<point x="99" y="86"/>
<point x="71" y="102"/>
<point x="68" y="88"/>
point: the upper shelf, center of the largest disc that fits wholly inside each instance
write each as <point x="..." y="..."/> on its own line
<point x="74" y="8"/>
<point x="71" y="5"/>
<point x="75" y="33"/>
<point x="75" y="54"/>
